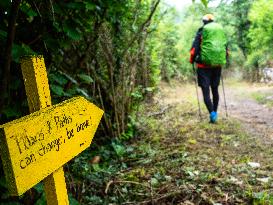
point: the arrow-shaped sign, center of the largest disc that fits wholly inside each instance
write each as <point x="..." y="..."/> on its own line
<point x="36" y="145"/>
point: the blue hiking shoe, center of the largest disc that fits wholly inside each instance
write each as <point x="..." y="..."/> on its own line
<point x="213" y="117"/>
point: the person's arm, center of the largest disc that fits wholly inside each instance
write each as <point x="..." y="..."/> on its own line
<point x="195" y="49"/>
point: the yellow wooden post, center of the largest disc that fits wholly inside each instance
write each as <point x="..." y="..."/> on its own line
<point x="38" y="96"/>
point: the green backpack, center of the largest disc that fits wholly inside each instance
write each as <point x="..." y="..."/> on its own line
<point x="213" y="45"/>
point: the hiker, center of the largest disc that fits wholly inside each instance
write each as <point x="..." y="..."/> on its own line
<point x="209" y="51"/>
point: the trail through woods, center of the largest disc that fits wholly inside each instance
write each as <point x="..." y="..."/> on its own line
<point x="257" y="118"/>
<point x="176" y="158"/>
<point x="190" y="161"/>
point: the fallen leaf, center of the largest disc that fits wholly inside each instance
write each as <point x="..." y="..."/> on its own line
<point x="192" y="141"/>
<point x="264" y="179"/>
<point x="254" y="164"/>
<point x="95" y="160"/>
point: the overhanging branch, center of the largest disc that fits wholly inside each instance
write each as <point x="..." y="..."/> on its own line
<point x="142" y="27"/>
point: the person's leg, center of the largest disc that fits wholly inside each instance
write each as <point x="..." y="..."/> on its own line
<point x="204" y="75"/>
<point x="215" y="97"/>
<point x="215" y="81"/>
<point x="207" y="99"/>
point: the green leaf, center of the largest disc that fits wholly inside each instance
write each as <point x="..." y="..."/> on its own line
<point x="96" y="167"/>
<point x="42" y="200"/>
<point x="94" y="200"/>
<point x="10" y="112"/>
<point x="154" y="181"/>
<point x="90" y="6"/>
<point x="137" y="95"/>
<point x="59" y="78"/>
<point x="70" y="92"/>
<point x="3" y="34"/>
<point x="72" y="200"/>
<point x="26" y="8"/>
<point x="192" y="141"/>
<point x="57" y="8"/>
<point x="21" y="50"/>
<point x="75" y="5"/>
<point x="71" y="30"/>
<point x="149" y="89"/>
<point x="52" y="44"/>
<point x="119" y="149"/>
<point x="83" y="92"/>
<point x="56" y="89"/>
<point x="205" y="2"/>
<point x="39" y="188"/>
<point x="69" y="77"/>
<point x="56" y="25"/>
<point x="85" y="78"/>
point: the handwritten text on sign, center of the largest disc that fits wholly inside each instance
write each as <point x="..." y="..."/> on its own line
<point x="40" y="143"/>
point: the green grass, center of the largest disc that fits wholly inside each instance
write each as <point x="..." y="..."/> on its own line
<point x="263" y="98"/>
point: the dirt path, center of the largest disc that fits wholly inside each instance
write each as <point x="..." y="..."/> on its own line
<point x="257" y="118"/>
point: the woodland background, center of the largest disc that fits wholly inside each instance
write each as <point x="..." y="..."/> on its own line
<point x="115" y="53"/>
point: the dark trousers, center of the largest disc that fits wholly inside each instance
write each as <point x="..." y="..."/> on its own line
<point x="209" y="79"/>
<point x="211" y="105"/>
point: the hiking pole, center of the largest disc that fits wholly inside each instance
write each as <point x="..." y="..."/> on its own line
<point x="223" y="87"/>
<point x="196" y="88"/>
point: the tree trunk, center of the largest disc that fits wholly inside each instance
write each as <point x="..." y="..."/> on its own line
<point x="8" y="50"/>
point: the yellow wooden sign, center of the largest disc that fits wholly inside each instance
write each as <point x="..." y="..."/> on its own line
<point x="38" y="144"/>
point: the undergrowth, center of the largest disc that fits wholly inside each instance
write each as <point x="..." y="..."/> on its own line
<point x="185" y="161"/>
<point x="173" y="158"/>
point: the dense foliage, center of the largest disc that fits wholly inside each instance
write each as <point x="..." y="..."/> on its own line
<point x="261" y="33"/>
<point x="248" y="26"/>
<point x="95" y="49"/>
